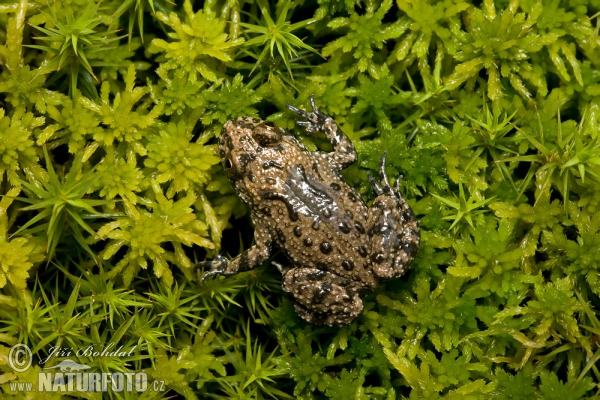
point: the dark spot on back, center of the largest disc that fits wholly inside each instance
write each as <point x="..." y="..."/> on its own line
<point x="327" y="213"/>
<point x="316" y="225"/>
<point x="359" y="227"/>
<point x="352" y="197"/>
<point x="322" y="266"/>
<point x="408" y="212"/>
<point x="272" y="195"/>
<point x="410" y="248"/>
<point x="325" y="248"/>
<point x="321" y="292"/>
<point x="348" y="265"/>
<point x="243" y="159"/>
<point x="316" y="275"/>
<point x="298" y="231"/>
<point x="272" y="164"/>
<point x="250" y="176"/>
<point x="349" y="214"/>
<point x="362" y="251"/>
<point x="344" y="227"/>
<point x="280" y="235"/>
<point x="335" y="186"/>
<point x="308" y="242"/>
<point x="259" y="149"/>
<point x="315" y="168"/>
<point x="378" y="258"/>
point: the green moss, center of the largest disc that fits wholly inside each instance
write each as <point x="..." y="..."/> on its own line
<point x="112" y="190"/>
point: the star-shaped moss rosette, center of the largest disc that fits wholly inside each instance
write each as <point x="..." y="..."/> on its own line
<point x="60" y="203"/>
<point x="198" y="44"/>
<point x="72" y="39"/>
<point x="501" y="42"/>
<point x="276" y="35"/>
<point x="144" y="232"/>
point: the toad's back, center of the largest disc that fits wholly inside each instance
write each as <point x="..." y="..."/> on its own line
<point x="315" y="217"/>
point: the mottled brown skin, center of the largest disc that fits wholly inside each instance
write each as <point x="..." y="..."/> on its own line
<point x="337" y="246"/>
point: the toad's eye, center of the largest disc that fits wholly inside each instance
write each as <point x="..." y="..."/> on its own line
<point x="235" y="163"/>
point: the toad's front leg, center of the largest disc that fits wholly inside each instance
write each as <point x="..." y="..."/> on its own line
<point x="249" y="259"/>
<point x="393" y="229"/>
<point x="344" y="152"/>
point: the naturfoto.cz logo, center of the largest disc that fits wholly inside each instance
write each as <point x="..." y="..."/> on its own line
<point x="71" y="376"/>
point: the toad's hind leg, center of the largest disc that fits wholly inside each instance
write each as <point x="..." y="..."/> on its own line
<point x="322" y="298"/>
<point x="393" y="229"/>
<point x="344" y="152"/>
